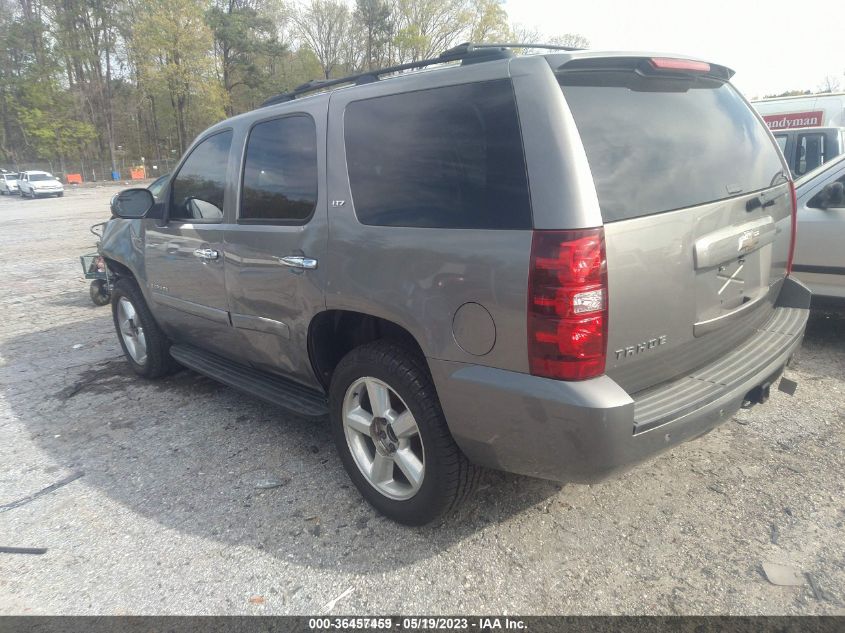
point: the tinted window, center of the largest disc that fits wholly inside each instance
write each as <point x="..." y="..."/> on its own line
<point x="811" y="153"/>
<point x="659" y="144"/>
<point x="447" y="157"/>
<point x="197" y="190"/>
<point x="280" y="171"/>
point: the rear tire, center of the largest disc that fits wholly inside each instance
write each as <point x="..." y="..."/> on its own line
<point x="399" y="429"/>
<point x="144" y="344"/>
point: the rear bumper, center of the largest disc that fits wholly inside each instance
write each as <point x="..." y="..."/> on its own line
<point x="585" y="431"/>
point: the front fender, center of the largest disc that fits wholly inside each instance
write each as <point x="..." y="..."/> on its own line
<point x="123" y="242"/>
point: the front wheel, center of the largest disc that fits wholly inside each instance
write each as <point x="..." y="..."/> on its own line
<point x="145" y="345"/>
<point x="392" y="435"/>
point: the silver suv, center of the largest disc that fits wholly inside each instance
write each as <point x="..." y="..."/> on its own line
<point x="39" y="183"/>
<point x="555" y="265"/>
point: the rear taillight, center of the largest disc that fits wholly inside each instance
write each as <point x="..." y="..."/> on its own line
<point x="567" y="304"/>
<point x="794" y="227"/>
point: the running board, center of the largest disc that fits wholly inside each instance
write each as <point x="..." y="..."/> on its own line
<point x="276" y="390"/>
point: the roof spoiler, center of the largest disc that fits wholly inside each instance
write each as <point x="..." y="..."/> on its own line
<point x="648" y="65"/>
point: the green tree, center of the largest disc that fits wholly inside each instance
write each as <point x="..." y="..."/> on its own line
<point x="55" y="134"/>
<point x="244" y="41"/>
<point x="172" y="47"/>
<point x="85" y="33"/>
<point x="374" y="20"/>
<point x="489" y="22"/>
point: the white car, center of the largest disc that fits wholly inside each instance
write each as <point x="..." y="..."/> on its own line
<point x="39" y="183"/>
<point x="8" y="184"/>
<point x="819" y="253"/>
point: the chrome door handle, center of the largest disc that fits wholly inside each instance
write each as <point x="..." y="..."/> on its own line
<point x="295" y="261"/>
<point x="206" y="253"/>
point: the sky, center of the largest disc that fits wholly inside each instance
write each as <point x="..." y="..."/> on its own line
<point x="773" y="46"/>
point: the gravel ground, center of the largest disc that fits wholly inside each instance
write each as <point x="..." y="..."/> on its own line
<point x="170" y="517"/>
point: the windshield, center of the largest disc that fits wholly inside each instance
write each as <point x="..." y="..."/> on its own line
<point x="10" y="177"/>
<point x="656" y="144"/>
<point x="36" y="177"/>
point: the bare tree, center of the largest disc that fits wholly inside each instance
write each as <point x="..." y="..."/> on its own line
<point x="575" y="40"/>
<point x="426" y="28"/>
<point x="529" y="35"/>
<point x="830" y="84"/>
<point x="323" y="25"/>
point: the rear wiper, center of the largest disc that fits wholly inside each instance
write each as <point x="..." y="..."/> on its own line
<point x="763" y="200"/>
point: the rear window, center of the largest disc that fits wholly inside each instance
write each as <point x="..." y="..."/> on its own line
<point x="445" y="158"/>
<point x="658" y="144"/>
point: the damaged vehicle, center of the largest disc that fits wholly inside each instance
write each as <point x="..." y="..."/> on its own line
<point x="543" y="264"/>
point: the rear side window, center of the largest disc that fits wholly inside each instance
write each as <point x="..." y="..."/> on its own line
<point x="280" y="171"/>
<point x="658" y="144"/>
<point x="445" y="158"/>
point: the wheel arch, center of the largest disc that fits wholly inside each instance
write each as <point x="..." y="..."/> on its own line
<point x="119" y="268"/>
<point x="334" y="333"/>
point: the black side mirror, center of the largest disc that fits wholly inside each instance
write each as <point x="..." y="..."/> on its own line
<point x="132" y="204"/>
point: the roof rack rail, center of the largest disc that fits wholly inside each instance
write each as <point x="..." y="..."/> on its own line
<point x="552" y="47"/>
<point x="466" y="53"/>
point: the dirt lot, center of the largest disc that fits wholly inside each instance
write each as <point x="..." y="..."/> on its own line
<point x="170" y="515"/>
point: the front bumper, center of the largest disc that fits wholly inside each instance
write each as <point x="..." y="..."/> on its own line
<point x="585" y="431"/>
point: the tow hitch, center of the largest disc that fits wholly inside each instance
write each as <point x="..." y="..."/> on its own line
<point x="758" y="395"/>
<point x="761" y="393"/>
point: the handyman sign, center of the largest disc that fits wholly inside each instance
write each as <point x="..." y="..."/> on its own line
<point x="794" y="119"/>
